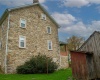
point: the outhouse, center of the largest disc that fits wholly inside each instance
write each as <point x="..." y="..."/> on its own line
<point x="82" y="65"/>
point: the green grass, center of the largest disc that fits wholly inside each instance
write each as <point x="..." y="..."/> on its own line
<point x="58" y="75"/>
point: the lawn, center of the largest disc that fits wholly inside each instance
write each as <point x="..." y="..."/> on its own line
<point x="58" y="75"/>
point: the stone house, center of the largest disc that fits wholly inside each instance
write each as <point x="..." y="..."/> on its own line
<point x="26" y="31"/>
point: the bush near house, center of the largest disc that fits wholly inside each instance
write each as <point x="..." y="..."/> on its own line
<point x="38" y="64"/>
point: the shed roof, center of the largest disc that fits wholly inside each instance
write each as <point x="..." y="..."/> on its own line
<point x="5" y="14"/>
<point x="89" y="39"/>
<point x="60" y="42"/>
<point x="83" y="52"/>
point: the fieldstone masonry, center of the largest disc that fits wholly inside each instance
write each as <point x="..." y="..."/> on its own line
<point x="36" y="37"/>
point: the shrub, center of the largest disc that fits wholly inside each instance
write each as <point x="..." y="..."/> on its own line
<point x="38" y="64"/>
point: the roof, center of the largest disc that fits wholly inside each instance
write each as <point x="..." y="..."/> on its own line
<point x="23" y="6"/>
<point x="88" y="39"/>
<point x="60" y="42"/>
<point x="83" y="52"/>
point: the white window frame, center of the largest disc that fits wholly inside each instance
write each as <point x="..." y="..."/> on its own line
<point x="43" y="16"/>
<point x="50" y="30"/>
<point x="49" y="41"/>
<point x="21" y="22"/>
<point x="24" y="41"/>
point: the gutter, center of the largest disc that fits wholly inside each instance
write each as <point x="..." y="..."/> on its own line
<point x="7" y="44"/>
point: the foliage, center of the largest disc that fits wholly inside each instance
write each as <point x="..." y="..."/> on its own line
<point x="38" y="64"/>
<point x="74" y="42"/>
<point x="57" y="75"/>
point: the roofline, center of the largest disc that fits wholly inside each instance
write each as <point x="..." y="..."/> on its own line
<point x="5" y="14"/>
<point x="23" y="6"/>
<point x="49" y="15"/>
<point x="84" y="52"/>
<point x="88" y="39"/>
<point x="60" y="42"/>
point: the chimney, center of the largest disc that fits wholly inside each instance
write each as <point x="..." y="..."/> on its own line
<point x="35" y="1"/>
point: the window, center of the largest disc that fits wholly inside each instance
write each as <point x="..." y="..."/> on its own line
<point x="43" y="16"/>
<point x="22" y="41"/>
<point x="49" y="45"/>
<point x="22" y="23"/>
<point x="49" y="30"/>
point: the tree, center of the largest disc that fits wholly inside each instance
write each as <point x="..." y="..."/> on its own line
<point x="74" y="42"/>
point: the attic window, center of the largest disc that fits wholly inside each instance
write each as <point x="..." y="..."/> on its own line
<point x="22" y="23"/>
<point x="43" y="16"/>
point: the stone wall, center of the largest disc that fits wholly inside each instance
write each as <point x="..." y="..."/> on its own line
<point x="36" y="37"/>
<point x="64" y="62"/>
<point x="3" y="36"/>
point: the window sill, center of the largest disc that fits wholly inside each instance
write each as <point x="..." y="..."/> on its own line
<point x="22" y="47"/>
<point x="23" y="27"/>
<point x="49" y="33"/>
<point x="43" y="19"/>
<point x="50" y="49"/>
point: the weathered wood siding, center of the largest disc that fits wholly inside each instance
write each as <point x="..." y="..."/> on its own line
<point x="93" y="45"/>
<point x="79" y="66"/>
<point x="90" y="66"/>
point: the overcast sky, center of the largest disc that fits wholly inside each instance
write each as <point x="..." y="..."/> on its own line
<point x="76" y="17"/>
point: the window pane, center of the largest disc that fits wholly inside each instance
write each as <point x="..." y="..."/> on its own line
<point x="22" y="25"/>
<point x="44" y="16"/>
<point x="50" y="45"/>
<point x="22" y="44"/>
<point x="49" y="30"/>
<point x="21" y="38"/>
<point x="22" y="41"/>
<point x="23" y="21"/>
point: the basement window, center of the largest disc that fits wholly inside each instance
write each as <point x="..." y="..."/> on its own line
<point x="22" y="41"/>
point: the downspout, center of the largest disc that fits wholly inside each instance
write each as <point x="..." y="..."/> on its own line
<point x="7" y="44"/>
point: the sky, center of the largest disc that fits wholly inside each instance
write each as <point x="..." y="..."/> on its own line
<point x="76" y="17"/>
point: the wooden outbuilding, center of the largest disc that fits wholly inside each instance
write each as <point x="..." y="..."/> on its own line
<point x="86" y="60"/>
<point x="82" y="65"/>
